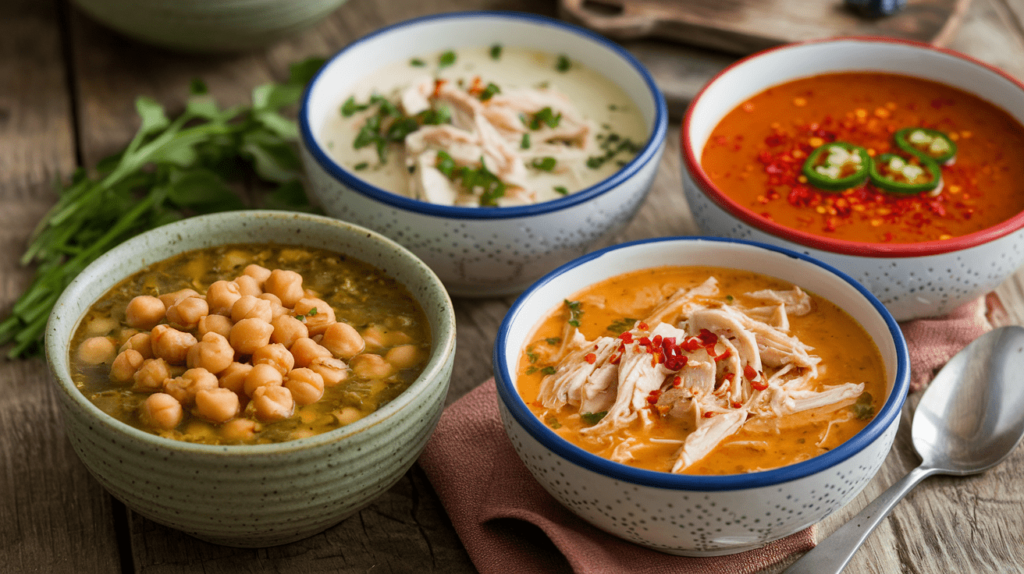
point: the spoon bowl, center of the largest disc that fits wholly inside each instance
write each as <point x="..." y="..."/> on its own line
<point x="969" y="420"/>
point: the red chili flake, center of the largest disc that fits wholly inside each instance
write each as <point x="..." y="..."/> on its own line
<point x="437" y="87"/>
<point x="642" y="326"/>
<point x="626" y="337"/>
<point x="729" y="376"/>
<point x="749" y="372"/>
<point x="644" y="341"/>
<point x="677" y="380"/>
<point x="675" y="363"/>
<point x="615" y="359"/>
<point x="725" y="355"/>
<point x="707" y="337"/>
<point x="692" y="344"/>
<point x="657" y="340"/>
<point x="759" y="384"/>
<point x="800" y="196"/>
<point x="709" y="414"/>
<point x="736" y="404"/>
<point x="653" y="397"/>
<point x="590" y="358"/>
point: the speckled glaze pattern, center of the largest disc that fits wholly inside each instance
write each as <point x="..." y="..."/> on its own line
<point x="910" y="287"/>
<point x="209" y="25"/>
<point x="699" y="515"/>
<point x="261" y="495"/>
<point x="912" y="280"/>
<point x="483" y="252"/>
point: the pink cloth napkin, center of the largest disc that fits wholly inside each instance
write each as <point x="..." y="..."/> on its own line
<point x="509" y="524"/>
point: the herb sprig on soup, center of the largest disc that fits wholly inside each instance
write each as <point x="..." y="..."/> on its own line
<point x="870" y="157"/>
<point x="701" y="370"/>
<point x="485" y="127"/>
<point x="249" y="344"/>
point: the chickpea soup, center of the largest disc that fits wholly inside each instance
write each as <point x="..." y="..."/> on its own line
<point x="250" y="344"/>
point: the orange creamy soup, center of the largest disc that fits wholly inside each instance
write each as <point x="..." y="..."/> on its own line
<point x="701" y="370"/>
<point x="758" y="156"/>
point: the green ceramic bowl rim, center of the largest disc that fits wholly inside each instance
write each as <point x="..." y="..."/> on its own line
<point x="59" y="330"/>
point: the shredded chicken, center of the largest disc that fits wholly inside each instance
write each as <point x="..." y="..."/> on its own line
<point x="697" y="361"/>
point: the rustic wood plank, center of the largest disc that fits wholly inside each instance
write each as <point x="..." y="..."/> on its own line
<point x="53" y="518"/>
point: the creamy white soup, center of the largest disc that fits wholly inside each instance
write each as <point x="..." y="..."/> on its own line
<point x="487" y="126"/>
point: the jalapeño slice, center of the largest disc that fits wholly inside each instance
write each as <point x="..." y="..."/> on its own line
<point x="837" y="166"/>
<point x="900" y="175"/>
<point x="926" y="143"/>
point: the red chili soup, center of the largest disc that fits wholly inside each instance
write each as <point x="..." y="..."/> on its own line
<point x="757" y="155"/>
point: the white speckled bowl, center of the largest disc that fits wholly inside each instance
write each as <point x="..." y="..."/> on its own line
<point x="912" y="279"/>
<point x="699" y="515"/>
<point x="481" y="252"/>
<point x="209" y="25"/>
<point x="259" y="495"/>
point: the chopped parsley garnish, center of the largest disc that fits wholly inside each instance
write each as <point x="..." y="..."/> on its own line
<point x="613" y="145"/>
<point x="531" y="370"/>
<point x="417" y="63"/>
<point x="729" y="298"/>
<point x="300" y="317"/>
<point x="593" y="418"/>
<point x="547" y="371"/>
<point x="563" y="63"/>
<point x="446" y="59"/>
<point x="575" y="312"/>
<point x="489" y="92"/>
<point x="531" y="355"/>
<point x="525" y="142"/>
<point x="620" y="326"/>
<point x="613" y="107"/>
<point x="360" y="166"/>
<point x="496" y="52"/>
<point x="369" y="134"/>
<point x="445" y="164"/>
<point x="561" y="190"/>
<point x="544" y="163"/>
<point x="863" y="409"/>
<point x="350" y="107"/>
<point x="312" y="312"/>
<point x="553" y="340"/>
<point x="552" y="421"/>
<point x="442" y="115"/>
<point x="491" y="188"/>
<point x="545" y="116"/>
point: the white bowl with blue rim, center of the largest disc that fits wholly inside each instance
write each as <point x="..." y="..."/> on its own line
<point x="483" y="252"/>
<point x="687" y="514"/>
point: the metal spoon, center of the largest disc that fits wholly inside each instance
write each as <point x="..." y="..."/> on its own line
<point x="969" y="420"/>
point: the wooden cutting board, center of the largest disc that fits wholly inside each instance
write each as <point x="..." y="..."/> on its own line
<point x="746" y="26"/>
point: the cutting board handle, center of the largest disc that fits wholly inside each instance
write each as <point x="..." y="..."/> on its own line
<point x="625" y="25"/>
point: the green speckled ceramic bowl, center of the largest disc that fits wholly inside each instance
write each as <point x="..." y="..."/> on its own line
<point x="259" y="495"/>
<point x="208" y="25"/>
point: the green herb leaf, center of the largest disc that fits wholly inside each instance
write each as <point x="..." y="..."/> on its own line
<point x="531" y="370"/>
<point x="863" y="409"/>
<point x="620" y="326"/>
<point x="496" y="52"/>
<point x="552" y="421"/>
<point x="531" y="355"/>
<point x="563" y="63"/>
<point x="544" y="163"/>
<point x="525" y="142"/>
<point x="446" y="59"/>
<point x="445" y="164"/>
<point x="548" y="371"/>
<point x="561" y="190"/>
<point x="593" y="418"/>
<point x="575" y="312"/>
<point x="553" y="340"/>
<point x="489" y="92"/>
<point x="417" y="63"/>
<point x="545" y="117"/>
<point x="350" y="107"/>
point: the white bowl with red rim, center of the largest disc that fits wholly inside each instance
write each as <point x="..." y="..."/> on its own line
<point x="913" y="280"/>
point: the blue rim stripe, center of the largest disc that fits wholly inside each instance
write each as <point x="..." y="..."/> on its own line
<point x="509" y="396"/>
<point x="648" y="153"/>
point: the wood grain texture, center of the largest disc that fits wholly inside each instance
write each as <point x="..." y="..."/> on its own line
<point x="53" y="517"/>
<point x="746" y="26"/>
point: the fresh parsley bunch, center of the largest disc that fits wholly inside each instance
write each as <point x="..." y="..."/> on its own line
<point x="171" y="169"/>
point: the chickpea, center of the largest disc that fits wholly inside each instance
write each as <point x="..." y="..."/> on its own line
<point x="276" y="355"/>
<point x="187" y="312"/>
<point x="333" y="371"/>
<point x="169" y="299"/>
<point x="171" y="344"/>
<point x="233" y="377"/>
<point x="249" y="307"/>
<point x="273" y="403"/>
<point x="343" y="340"/>
<point x="140" y="342"/>
<point x="305" y="350"/>
<point x="262" y="375"/>
<point x="260" y="274"/>
<point x="307" y="386"/>
<point x="370" y="366"/>
<point x="215" y="324"/>
<point x="123" y="336"/>
<point x="185" y="387"/>
<point x="375" y="338"/>
<point x="274" y="299"/>
<point x="285" y="284"/>
<point x="144" y="312"/>
<point x="151" y="376"/>
<point x="316" y="321"/>
<point x="97" y="351"/>
<point x="213" y="353"/>
<point x="348" y="415"/>
<point x="403" y="356"/>
<point x="238" y="429"/>
<point x="221" y="296"/>
<point x="101" y="326"/>
<point x="287" y="330"/>
<point x="248" y="335"/>
<point x="161" y="411"/>
<point x="217" y="405"/>
<point x="248" y="286"/>
<point x="125" y="366"/>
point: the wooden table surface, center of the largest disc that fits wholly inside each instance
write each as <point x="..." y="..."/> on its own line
<point x="67" y="88"/>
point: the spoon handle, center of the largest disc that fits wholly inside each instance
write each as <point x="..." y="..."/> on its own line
<point x="832" y="555"/>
